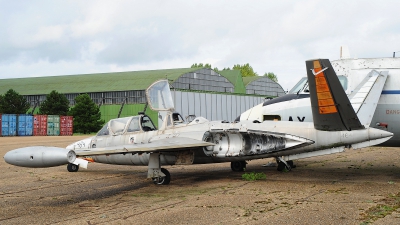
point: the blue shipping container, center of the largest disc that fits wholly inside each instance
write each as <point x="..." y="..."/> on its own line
<point x="25" y="125"/>
<point x="9" y="125"/>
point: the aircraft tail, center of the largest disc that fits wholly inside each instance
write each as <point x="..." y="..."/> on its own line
<point x="366" y="95"/>
<point x="331" y="108"/>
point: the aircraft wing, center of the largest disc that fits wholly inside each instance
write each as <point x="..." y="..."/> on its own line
<point x="167" y="144"/>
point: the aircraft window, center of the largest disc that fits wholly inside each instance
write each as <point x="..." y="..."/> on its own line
<point x="299" y="86"/>
<point x="190" y="118"/>
<point x="177" y="118"/>
<point x="305" y="89"/>
<point x="272" y="117"/>
<point x="134" y="125"/>
<point x="147" y="124"/>
<point x="117" y="126"/>
<point x="103" y="131"/>
<point x="343" y="81"/>
<point x="302" y="85"/>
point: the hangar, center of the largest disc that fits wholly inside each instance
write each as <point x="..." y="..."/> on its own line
<point x="203" y="92"/>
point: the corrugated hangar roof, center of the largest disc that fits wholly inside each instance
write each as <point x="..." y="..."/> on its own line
<point x="248" y="80"/>
<point x="99" y="82"/>
<point x="235" y="77"/>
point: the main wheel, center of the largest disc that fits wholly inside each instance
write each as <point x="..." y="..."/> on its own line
<point x="72" y="167"/>
<point x="238" y="166"/>
<point x="282" y="166"/>
<point x="163" y="180"/>
<point x="291" y="164"/>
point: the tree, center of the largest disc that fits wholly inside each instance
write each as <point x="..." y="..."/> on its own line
<point x="87" y="116"/>
<point x="207" y="65"/>
<point x="13" y="103"/>
<point x="55" y="104"/>
<point x="246" y="70"/>
<point x="271" y="76"/>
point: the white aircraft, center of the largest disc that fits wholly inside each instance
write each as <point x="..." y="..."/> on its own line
<point x="135" y="140"/>
<point x="357" y="77"/>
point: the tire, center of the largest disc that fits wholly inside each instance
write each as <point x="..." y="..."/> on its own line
<point x="291" y="164"/>
<point x="163" y="180"/>
<point x="72" y="167"/>
<point x="238" y="166"/>
<point x="281" y="166"/>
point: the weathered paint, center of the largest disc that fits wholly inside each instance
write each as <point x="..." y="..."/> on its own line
<point x="66" y="125"/>
<point x="25" y="125"/>
<point x="9" y="125"/>
<point x="39" y="125"/>
<point x="53" y="125"/>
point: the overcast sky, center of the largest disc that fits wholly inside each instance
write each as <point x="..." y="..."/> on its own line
<point x="47" y="38"/>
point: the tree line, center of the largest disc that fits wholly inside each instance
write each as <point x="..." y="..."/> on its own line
<point x="246" y="70"/>
<point x="87" y="116"/>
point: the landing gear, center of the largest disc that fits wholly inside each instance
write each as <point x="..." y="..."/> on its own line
<point x="291" y="164"/>
<point x="283" y="165"/>
<point x="160" y="176"/>
<point x="162" y="180"/>
<point x="72" y="167"/>
<point x="238" y="166"/>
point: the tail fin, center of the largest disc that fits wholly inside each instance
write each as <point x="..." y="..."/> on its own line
<point x="366" y="96"/>
<point x="330" y="105"/>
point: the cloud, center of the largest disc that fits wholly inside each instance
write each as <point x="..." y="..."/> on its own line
<point x="67" y="37"/>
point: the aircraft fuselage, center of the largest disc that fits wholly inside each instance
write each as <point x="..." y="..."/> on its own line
<point x="233" y="142"/>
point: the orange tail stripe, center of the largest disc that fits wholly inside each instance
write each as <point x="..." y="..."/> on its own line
<point x="326" y="105"/>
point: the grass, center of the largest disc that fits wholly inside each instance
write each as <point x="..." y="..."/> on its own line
<point x="391" y="204"/>
<point x="254" y="176"/>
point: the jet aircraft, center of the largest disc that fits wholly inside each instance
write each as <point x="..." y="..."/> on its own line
<point x="358" y="77"/>
<point x="136" y="141"/>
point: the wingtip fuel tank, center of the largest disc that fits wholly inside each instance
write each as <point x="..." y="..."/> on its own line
<point x="39" y="156"/>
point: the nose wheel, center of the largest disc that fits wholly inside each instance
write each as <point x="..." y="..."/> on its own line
<point x="72" y="167"/>
<point x="238" y="166"/>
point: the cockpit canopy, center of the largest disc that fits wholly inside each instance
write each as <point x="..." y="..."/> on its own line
<point x="159" y="96"/>
<point x="302" y="85"/>
<point x="127" y="125"/>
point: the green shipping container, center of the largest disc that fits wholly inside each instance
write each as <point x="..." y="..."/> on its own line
<point x="53" y="125"/>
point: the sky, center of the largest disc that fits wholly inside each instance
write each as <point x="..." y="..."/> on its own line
<point x="54" y="37"/>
